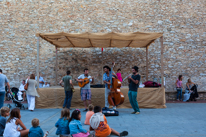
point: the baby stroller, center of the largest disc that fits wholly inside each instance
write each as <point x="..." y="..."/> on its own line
<point x="194" y="94"/>
<point x="14" y="97"/>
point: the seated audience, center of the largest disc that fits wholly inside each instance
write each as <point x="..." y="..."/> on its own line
<point x="4" y="113"/>
<point x="98" y="123"/>
<point x="63" y="123"/>
<point x="35" y="130"/>
<point x="46" y="84"/>
<point x="188" y="90"/>
<point x="75" y="125"/>
<point x="21" y="89"/>
<point x="12" y="129"/>
<point x="89" y="114"/>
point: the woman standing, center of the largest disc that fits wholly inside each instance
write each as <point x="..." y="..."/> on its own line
<point x="119" y="75"/>
<point x="31" y="92"/>
<point x="179" y="87"/>
<point x="188" y="90"/>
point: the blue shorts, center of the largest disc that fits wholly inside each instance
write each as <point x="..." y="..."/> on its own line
<point x="86" y="94"/>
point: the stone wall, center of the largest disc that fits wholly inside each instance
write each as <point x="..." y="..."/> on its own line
<point x="183" y="23"/>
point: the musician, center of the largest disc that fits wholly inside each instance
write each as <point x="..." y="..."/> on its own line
<point x="106" y="78"/>
<point x="133" y="88"/>
<point x="86" y="91"/>
<point x="68" y="86"/>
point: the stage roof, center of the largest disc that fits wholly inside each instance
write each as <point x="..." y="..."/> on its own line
<point x="100" y="40"/>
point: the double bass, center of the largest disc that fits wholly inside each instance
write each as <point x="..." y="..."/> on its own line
<point x="116" y="97"/>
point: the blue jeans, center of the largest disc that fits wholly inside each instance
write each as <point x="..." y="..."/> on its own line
<point x="2" y="95"/>
<point x="179" y="92"/>
<point x="133" y="100"/>
<point x="68" y="99"/>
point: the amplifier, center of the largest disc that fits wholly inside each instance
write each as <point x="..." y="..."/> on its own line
<point x="97" y="86"/>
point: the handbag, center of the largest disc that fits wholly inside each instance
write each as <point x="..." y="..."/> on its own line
<point x="26" y="86"/>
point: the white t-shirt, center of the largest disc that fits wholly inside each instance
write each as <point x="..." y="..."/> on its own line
<point x="21" y="88"/>
<point x="11" y="129"/>
<point x="87" y="86"/>
<point x="47" y="85"/>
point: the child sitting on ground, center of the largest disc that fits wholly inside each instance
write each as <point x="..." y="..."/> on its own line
<point x="75" y="125"/>
<point x="98" y="123"/>
<point x="89" y="114"/>
<point x="4" y="114"/>
<point x="63" y="123"/>
<point x="35" y="130"/>
<point x="12" y="129"/>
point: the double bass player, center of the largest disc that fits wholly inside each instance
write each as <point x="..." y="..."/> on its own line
<point x="106" y="78"/>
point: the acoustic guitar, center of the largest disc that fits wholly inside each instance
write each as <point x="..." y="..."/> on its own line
<point x="84" y="82"/>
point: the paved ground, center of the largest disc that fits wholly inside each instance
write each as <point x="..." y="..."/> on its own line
<point x="177" y="120"/>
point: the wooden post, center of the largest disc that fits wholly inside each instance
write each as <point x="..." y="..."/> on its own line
<point x="147" y="64"/>
<point x="162" y="63"/>
<point x="56" y="68"/>
<point x="37" y="70"/>
<point x="102" y="64"/>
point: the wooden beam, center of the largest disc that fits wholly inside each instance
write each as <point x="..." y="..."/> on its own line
<point x="147" y="64"/>
<point x="162" y="62"/>
<point x="37" y="69"/>
<point x="56" y="68"/>
<point x="69" y="41"/>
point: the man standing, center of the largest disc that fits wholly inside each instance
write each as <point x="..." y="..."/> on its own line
<point x="86" y="91"/>
<point x="133" y="87"/>
<point x="106" y="78"/>
<point x="41" y="81"/>
<point x="21" y="89"/>
<point x="68" y="89"/>
<point x="3" y="82"/>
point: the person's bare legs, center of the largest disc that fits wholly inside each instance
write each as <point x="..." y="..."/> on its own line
<point x="24" y="95"/>
<point x="89" y="102"/>
<point x="85" y="104"/>
<point x="24" y="132"/>
<point x="115" y="132"/>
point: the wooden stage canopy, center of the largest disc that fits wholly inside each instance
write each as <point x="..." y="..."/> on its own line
<point x="101" y="40"/>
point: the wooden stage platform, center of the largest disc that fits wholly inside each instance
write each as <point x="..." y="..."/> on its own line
<point x="53" y="97"/>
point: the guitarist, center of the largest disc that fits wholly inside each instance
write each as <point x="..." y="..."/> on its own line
<point x="106" y="78"/>
<point x="86" y="91"/>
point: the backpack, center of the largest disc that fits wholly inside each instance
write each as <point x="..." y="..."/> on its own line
<point x="110" y="112"/>
<point x="151" y="84"/>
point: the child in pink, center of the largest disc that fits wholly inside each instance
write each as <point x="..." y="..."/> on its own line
<point x="89" y="114"/>
<point x="119" y="76"/>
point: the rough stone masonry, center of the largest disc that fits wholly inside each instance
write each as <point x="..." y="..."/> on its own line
<point x="183" y="23"/>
